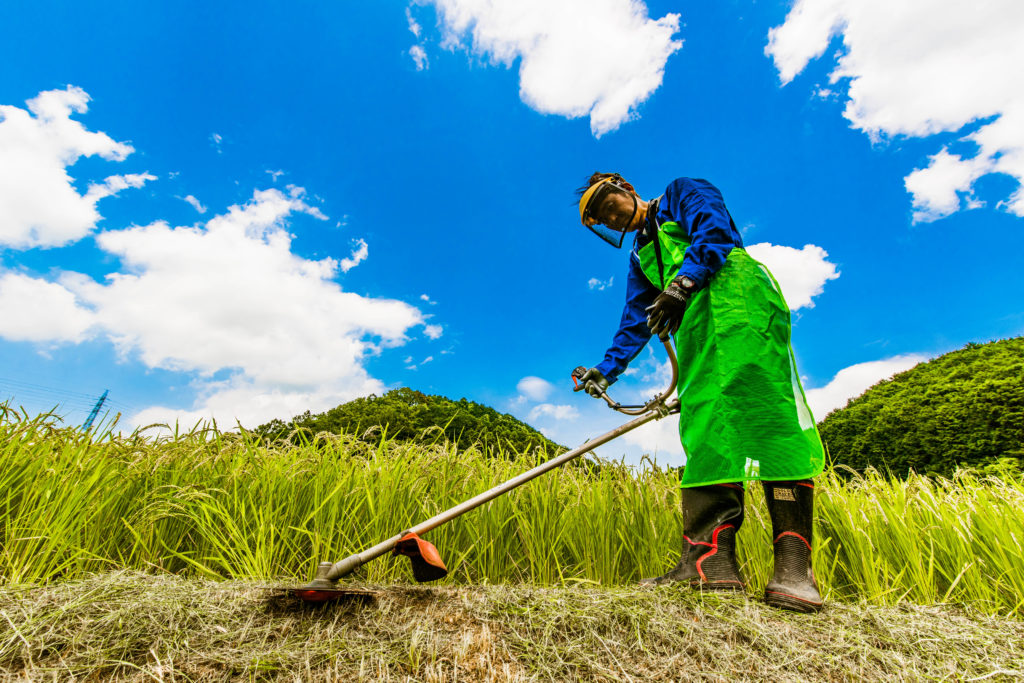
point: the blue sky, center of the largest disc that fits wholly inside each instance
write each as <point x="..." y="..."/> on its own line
<point x="245" y="212"/>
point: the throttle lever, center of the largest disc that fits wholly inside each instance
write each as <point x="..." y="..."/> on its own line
<point x="577" y="374"/>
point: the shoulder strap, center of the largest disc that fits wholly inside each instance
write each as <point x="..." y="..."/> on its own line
<point x="653" y="228"/>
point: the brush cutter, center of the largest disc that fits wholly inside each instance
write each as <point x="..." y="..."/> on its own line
<point x="426" y="560"/>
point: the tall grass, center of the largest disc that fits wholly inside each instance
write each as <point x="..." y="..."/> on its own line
<point x="213" y="504"/>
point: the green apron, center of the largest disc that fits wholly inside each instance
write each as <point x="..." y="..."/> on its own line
<point x="743" y="413"/>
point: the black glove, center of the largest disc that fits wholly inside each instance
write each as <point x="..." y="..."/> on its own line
<point x="594" y="383"/>
<point x="666" y="313"/>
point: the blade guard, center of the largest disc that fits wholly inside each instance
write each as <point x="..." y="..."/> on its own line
<point x="426" y="561"/>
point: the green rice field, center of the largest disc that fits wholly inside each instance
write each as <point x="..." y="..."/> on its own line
<point x="217" y="505"/>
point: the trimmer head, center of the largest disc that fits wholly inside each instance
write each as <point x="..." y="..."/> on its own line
<point x="426" y="566"/>
<point x="321" y="595"/>
<point x="321" y="589"/>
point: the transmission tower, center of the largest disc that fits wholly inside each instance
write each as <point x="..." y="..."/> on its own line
<point x="95" y="411"/>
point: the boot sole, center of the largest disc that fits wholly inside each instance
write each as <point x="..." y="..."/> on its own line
<point x="791" y="603"/>
<point x="699" y="585"/>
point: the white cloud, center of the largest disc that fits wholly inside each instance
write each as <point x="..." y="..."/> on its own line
<point x="231" y="296"/>
<point x="558" y="412"/>
<point x="938" y="188"/>
<point x="414" y="25"/>
<point x="217" y="139"/>
<point x="358" y="256"/>
<point x="195" y="203"/>
<point x="417" y="52"/>
<point x="659" y="438"/>
<point x="115" y="183"/>
<point x="39" y="205"/>
<point x="419" y="56"/>
<point x="534" y="388"/>
<point x="801" y="273"/>
<point x="922" y="67"/>
<point x="599" y="285"/>
<point x="34" y="310"/>
<point x="855" y="380"/>
<point x="596" y="58"/>
<point x="433" y="331"/>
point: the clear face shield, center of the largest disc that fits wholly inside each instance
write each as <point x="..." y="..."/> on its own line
<point x="608" y="209"/>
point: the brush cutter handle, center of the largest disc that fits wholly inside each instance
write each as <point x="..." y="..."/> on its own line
<point x="655" y="409"/>
<point x="639" y="409"/>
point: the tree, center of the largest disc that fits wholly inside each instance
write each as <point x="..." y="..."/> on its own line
<point x="962" y="409"/>
<point x="408" y="415"/>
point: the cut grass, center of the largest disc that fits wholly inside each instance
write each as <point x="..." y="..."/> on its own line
<point x="133" y="626"/>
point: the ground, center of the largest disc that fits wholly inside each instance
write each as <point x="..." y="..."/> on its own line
<point x="134" y="626"/>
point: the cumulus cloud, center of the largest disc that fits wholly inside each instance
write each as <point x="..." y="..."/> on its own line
<point x="855" y="380"/>
<point x="35" y="310"/>
<point x="599" y="58"/>
<point x="433" y="331"/>
<point x="599" y="285"/>
<point x="801" y="273"/>
<point x="534" y="388"/>
<point x="265" y="332"/>
<point x="39" y="205"/>
<point x="558" y="412"/>
<point x="921" y="68"/>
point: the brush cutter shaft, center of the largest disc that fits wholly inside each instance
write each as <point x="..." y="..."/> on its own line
<point x="656" y="408"/>
<point x="350" y="563"/>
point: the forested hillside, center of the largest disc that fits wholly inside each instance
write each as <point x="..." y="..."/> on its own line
<point x="408" y="415"/>
<point x="965" y="408"/>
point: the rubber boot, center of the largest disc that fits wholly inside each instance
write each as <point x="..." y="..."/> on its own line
<point x="791" y="507"/>
<point x="712" y="516"/>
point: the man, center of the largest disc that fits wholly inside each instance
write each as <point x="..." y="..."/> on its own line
<point x="743" y="414"/>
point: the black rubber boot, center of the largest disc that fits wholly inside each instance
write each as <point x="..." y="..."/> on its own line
<point x="791" y="506"/>
<point x="712" y="516"/>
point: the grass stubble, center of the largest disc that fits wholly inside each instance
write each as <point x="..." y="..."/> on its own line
<point x="132" y="626"/>
<point x="133" y="558"/>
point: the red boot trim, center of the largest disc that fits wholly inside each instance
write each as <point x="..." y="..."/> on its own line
<point x="714" y="549"/>
<point x="687" y="539"/>
<point x="733" y="486"/>
<point x="792" y="533"/>
<point x="810" y="486"/>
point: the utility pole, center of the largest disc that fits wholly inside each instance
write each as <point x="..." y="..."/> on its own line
<point x="95" y="411"/>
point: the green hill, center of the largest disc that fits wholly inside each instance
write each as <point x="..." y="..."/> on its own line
<point x="408" y="415"/>
<point x="962" y="409"/>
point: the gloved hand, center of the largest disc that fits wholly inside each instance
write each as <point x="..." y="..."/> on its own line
<point x="594" y="382"/>
<point x="666" y="313"/>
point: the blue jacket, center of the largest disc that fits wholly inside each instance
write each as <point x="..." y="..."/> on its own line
<point x="698" y="206"/>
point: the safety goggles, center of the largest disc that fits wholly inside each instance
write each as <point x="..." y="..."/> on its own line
<point x="601" y="211"/>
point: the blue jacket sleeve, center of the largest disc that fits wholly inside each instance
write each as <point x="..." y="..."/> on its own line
<point x="633" y="332"/>
<point x="698" y="205"/>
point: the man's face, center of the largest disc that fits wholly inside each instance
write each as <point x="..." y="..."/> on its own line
<point x="618" y="211"/>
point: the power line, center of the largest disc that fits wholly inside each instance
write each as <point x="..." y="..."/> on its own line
<point x="40" y="387"/>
